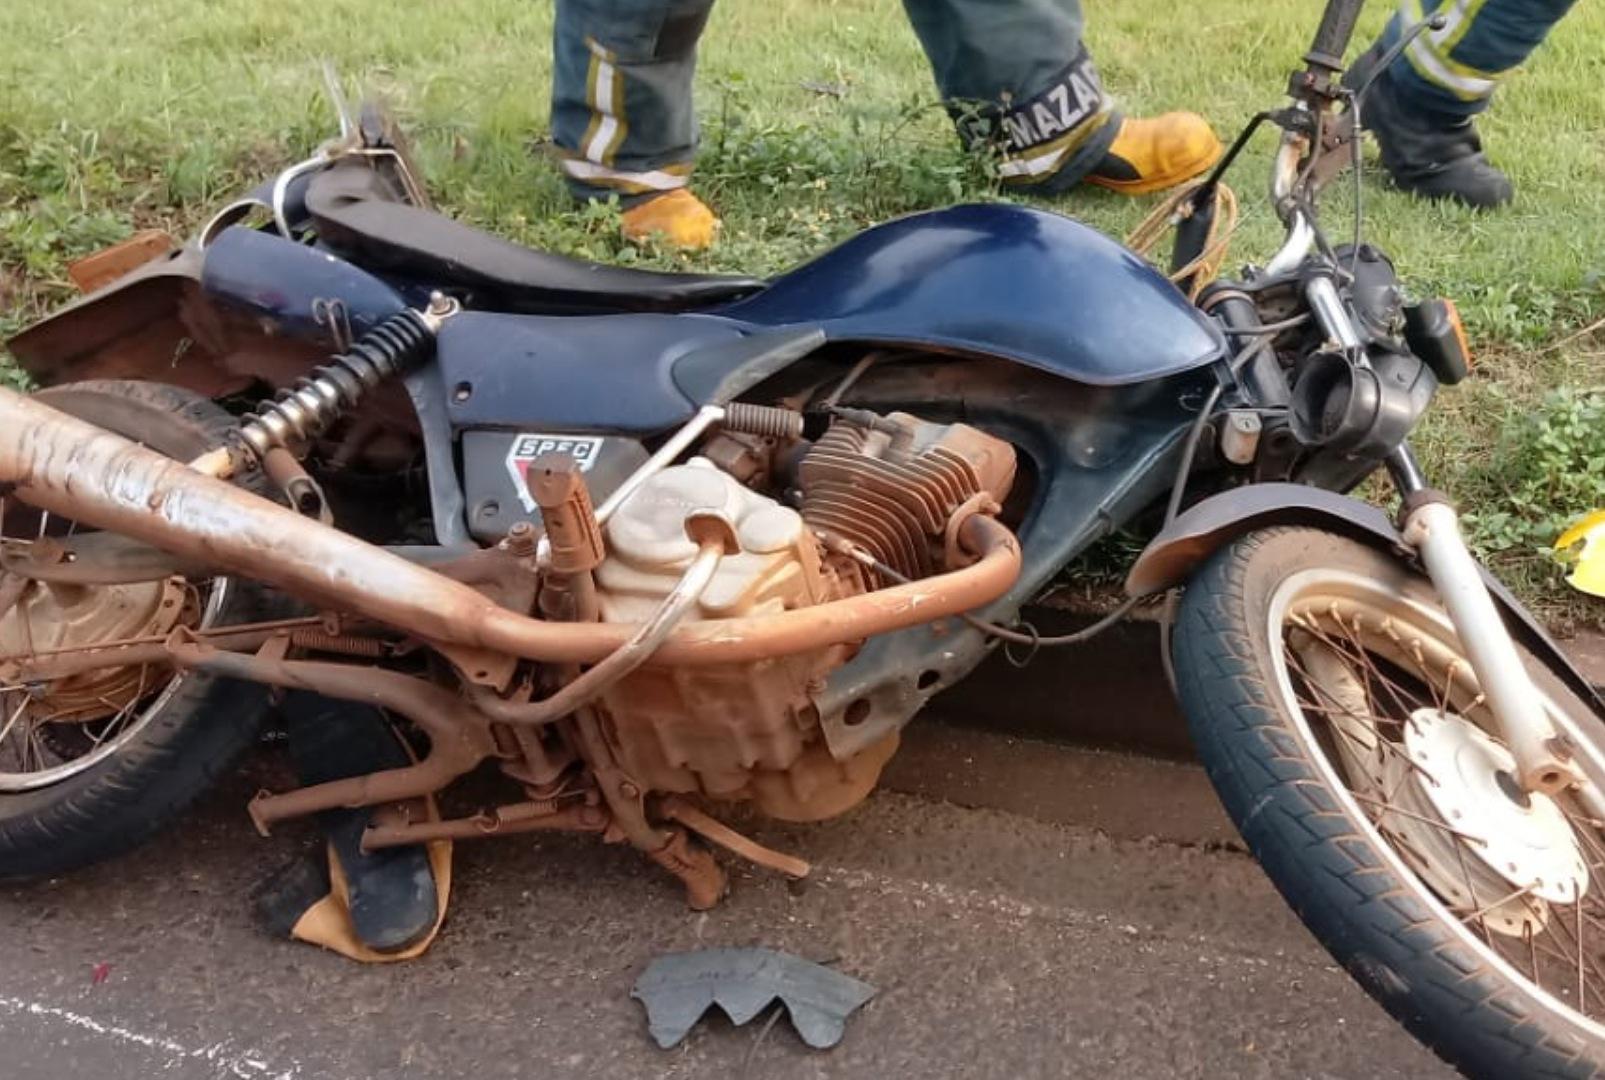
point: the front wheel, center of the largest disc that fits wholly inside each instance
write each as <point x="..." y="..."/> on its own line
<point x="1342" y="726"/>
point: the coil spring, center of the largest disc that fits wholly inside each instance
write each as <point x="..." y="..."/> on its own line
<point x="764" y="420"/>
<point x="349" y="644"/>
<point x="304" y="411"/>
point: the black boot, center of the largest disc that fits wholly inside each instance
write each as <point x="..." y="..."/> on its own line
<point x="1433" y="156"/>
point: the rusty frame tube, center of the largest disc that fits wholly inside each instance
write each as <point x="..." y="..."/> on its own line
<point x="64" y="465"/>
<point x="502" y="821"/>
<point x="458" y="738"/>
<point x="145" y="650"/>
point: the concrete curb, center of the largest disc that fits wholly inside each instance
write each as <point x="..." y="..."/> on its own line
<point x="1109" y="693"/>
<point x="1087" y="736"/>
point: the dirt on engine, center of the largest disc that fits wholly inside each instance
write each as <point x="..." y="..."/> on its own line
<point x="888" y="487"/>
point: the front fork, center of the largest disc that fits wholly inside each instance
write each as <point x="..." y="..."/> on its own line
<point x="1432" y="527"/>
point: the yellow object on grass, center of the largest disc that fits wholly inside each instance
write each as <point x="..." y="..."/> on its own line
<point x="1588" y="573"/>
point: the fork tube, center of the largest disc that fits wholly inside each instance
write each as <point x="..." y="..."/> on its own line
<point x="1432" y="528"/>
<point x="1406" y="471"/>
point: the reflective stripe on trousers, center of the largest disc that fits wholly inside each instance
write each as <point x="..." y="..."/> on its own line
<point x="1453" y="70"/>
<point x="1013" y="73"/>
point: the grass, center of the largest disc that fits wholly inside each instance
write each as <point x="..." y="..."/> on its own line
<point x="115" y="116"/>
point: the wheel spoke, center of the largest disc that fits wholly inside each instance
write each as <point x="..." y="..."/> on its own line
<point x="1482" y="912"/>
<point x="1356" y="651"/>
<point x="1580" y="979"/>
<point x="1450" y="829"/>
<point x="11" y="722"/>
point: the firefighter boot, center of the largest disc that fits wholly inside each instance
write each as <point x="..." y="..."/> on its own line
<point x="1434" y="156"/>
<point x="676" y="218"/>
<point x="1155" y="153"/>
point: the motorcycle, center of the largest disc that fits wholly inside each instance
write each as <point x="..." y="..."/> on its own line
<point x="651" y="543"/>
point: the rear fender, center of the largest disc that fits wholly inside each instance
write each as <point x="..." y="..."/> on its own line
<point x="124" y="330"/>
<point x="1171" y="557"/>
<point x="157" y="323"/>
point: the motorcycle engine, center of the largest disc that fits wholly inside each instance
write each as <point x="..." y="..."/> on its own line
<point x="889" y="485"/>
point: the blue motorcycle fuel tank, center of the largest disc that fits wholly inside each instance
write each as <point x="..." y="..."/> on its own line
<point x="999" y="280"/>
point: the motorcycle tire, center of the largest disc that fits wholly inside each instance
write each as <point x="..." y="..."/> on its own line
<point x="1289" y="645"/>
<point x="197" y="727"/>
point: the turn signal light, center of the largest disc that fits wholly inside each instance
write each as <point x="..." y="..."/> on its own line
<point x="1435" y="333"/>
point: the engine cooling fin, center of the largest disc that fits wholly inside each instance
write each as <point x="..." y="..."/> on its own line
<point x="890" y="484"/>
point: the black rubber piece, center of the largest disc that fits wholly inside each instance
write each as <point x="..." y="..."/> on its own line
<point x="203" y="729"/>
<point x="281" y="899"/>
<point x="357" y="216"/>
<point x="1401" y="951"/>
<point x="1333" y="35"/>
<point x="391" y="892"/>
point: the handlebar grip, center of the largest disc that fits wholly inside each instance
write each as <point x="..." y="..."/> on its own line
<point x="1332" y="36"/>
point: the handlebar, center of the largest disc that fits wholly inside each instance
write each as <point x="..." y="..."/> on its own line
<point x="1332" y="36"/>
<point x="1300" y="230"/>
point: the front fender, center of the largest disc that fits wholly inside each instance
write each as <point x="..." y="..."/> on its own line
<point x="1170" y="558"/>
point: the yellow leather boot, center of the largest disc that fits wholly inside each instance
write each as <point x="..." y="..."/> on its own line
<point x="1158" y="152"/>
<point x="677" y="218"/>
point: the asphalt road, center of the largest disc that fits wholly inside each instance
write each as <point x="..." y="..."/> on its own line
<point x="1081" y="918"/>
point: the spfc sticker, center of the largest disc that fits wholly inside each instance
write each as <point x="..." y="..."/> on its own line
<point x="531" y="445"/>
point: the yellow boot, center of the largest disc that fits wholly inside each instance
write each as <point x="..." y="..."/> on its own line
<point x="677" y="218"/>
<point x="1155" y="153"/>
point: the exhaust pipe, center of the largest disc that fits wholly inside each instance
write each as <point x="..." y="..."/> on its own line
<point x="66" y="466"/>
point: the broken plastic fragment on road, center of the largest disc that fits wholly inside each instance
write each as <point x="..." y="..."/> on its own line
<point x="678" y="988"/>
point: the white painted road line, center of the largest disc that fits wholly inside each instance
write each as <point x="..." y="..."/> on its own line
<point x="230" y="1060"/>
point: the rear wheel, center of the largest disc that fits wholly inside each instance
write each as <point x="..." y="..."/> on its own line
<point x="1343" y="728"/>
<point x="93" y="764"/>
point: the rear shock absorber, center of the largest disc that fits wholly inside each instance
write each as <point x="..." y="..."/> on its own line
<point x="304" y="411"/>
<point x="300" y="413"/>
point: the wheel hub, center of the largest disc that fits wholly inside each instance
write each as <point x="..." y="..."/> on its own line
<point x="1466" y="778"/>
<point x="53" y="617"/>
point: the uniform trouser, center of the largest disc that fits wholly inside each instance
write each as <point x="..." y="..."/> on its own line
<point x="1451" y="73"/>
<point x="1013" y="74"/>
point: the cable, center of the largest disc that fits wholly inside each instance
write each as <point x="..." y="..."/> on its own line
<point x="1036" y="640"/>
<point x="1435" y="21"/>
<point x="1179" y="487"/>
<point x="1267" y="328"/>
<point x="1028" y="637"/>
<point x="1177" y="490"/>
<point x="851" y="378"/>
